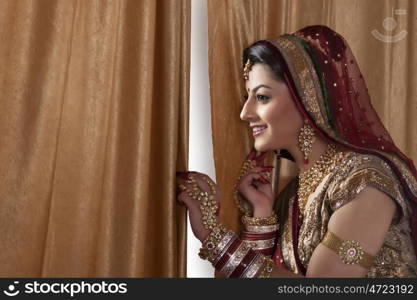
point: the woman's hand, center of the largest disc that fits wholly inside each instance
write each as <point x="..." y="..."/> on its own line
<point x="255" y="186"/>
<point x="191" y="183"/>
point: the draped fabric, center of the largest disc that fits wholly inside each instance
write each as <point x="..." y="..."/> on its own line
<point x="387" y="68"/>
<point x="328" y="88"/>
<point x="93" y="118"/>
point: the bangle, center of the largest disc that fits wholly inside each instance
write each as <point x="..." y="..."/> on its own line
<point x="224" y="245"/>
<point x="235" y="259"/>
<point x="224" y="258"/>
<point x="261" y="229"/>
<point x="253" y="236"/>
<point x="254" y="267"/>
<point x="211" y="242"/>
<point x="256" y="221"/>
<point x="266" y="269"/>
<point x="244" y="264"/>
<point x="261" y="244"/>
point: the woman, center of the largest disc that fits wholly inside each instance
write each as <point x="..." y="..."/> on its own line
<point x="351" y="211"/>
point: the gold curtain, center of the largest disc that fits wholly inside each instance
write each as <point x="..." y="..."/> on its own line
<point x="93" y="119"/>
<point x="388" y="68"/>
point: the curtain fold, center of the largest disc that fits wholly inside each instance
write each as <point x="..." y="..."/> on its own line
<point x="93" y="118"/>
<point x="386" y="66"/>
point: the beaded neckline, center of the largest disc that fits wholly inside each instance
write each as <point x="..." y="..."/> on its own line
<point x="311" y="178"/>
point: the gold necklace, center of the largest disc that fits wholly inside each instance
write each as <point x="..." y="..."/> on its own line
<point x="311" y="178"/>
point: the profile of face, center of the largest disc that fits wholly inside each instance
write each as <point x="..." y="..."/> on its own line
<point x="270" y="111"/>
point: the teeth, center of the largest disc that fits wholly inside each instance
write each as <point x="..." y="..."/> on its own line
<point x="258" y="128"/>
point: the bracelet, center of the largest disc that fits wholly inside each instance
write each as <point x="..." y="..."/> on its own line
<point x="266" y="269"/>
<point x="261" y="229"/>
<point x="212" y="241"/>
<point x="253" y="236"/>
<point x="257" y="221"/>
<point x="244" y="264"/>
<point x="235" y="259"/>
<point x="254" y="267"/>
<point x="261" y="244"/>
<point x="228" y="253"/>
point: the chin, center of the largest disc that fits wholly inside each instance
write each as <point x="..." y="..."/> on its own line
<point x="262" y="148"/>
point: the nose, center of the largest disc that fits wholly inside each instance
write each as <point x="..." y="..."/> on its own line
<point x="248" y="112"/>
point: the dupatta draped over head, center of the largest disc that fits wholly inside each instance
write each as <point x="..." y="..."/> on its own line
<point x="329" y="90"/>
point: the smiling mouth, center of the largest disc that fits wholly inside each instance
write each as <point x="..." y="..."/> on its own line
<point x="257" y="130"/>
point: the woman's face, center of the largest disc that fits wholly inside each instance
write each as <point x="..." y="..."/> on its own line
<point x="270" y="111"/>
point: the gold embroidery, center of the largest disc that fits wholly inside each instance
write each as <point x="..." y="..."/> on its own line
<point x="358" y="181"/>
<point x="305" y="78"/>
<point x="310" y="179"/>
<point x="396" y="258"/>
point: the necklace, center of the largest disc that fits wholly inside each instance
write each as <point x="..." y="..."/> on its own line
<point x="311" y="178"/>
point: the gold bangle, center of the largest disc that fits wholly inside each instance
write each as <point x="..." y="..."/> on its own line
<point x="254" y="267"/>
<point x="350" y="252"/>
<point x="261" y="244"/>
<point x="257" y="221"/>
<point x="235" y="259"/>
<point x="261" y="229"/>
<point x="212" y="241"/>
<point x="267" y="268"/>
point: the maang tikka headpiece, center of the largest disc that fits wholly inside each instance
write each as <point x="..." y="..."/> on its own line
<point x="246" y="69"/>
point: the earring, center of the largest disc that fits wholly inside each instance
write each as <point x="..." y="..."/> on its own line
<point x="305" y="140"/>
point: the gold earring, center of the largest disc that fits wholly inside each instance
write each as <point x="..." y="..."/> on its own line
<point x="305" y="140"/>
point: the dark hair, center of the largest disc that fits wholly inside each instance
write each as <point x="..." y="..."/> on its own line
<point x="260" y="52"/>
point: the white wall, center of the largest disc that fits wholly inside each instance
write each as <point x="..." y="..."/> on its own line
<point x="200" y="142"/>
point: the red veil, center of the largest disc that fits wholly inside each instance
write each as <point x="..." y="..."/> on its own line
<point x="328" y="88"/>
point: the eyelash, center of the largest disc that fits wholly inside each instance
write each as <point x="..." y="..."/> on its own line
<point x="259" y="97"/>
<point x="264" y="98"/>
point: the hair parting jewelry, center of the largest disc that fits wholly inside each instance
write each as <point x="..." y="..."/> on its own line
<point x="246" y="69"/>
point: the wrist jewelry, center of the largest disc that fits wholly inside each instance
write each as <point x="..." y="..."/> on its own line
<point x="266" y="269"/>
<point x="257" y="221"/>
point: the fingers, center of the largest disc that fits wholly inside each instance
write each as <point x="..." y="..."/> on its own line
<point x="251" y="180"/>
<point x="257" y="157"/>
<point x="192" y="183"/>
<point x="264" y="173"/>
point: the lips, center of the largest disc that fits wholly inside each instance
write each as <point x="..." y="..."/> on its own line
<point x="257" y="130"/>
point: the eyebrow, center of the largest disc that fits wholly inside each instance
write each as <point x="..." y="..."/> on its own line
<point x="260" y="86"/>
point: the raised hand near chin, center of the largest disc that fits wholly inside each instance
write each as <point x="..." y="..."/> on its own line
<point x="253" y="191"/>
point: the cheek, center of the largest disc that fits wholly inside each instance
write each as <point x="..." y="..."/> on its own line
<point x="284" y="121"/>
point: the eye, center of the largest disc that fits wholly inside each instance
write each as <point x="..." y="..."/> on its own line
<point x="262" y="98"/>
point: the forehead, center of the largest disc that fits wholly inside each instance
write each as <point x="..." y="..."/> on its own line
<point x="259" y="73"/>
